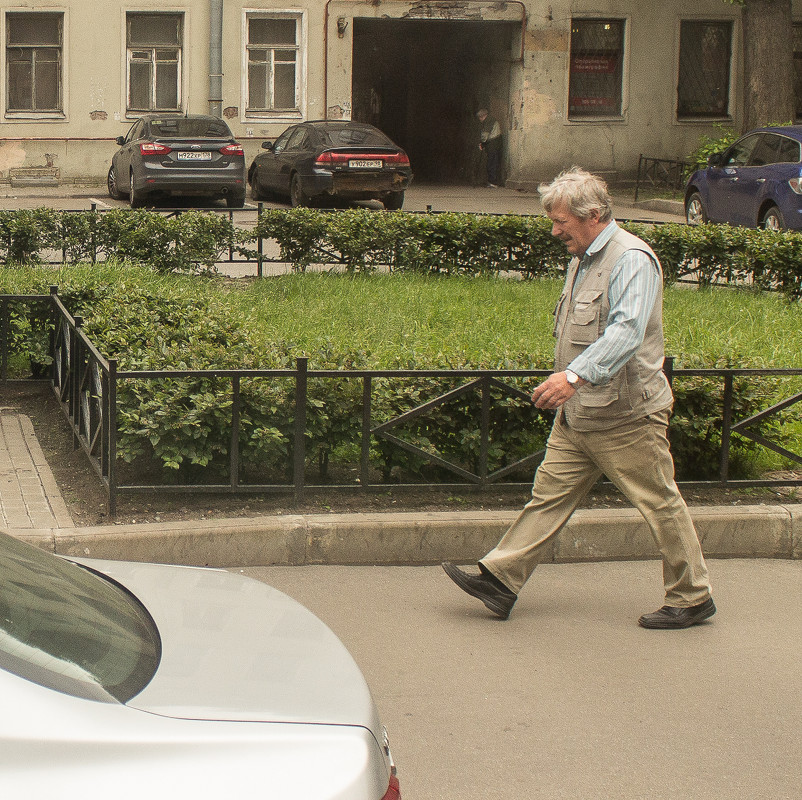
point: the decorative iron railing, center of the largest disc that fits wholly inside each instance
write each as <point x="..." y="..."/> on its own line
<point x="86" y="386"/>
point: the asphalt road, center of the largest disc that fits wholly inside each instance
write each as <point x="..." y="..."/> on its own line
<point x="570" y="699"/>
<point x="419" y="197"/>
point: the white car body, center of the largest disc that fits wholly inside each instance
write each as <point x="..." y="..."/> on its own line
<point x="253" y="694"/>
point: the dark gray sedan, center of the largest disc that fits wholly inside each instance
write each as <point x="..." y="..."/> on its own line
<point x="320" y="162"/>
<point x="166" y="155"/>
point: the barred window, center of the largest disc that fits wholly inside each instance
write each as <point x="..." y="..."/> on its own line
<point x="34" y="44"/>
<point x="273" y="64"/>
<point x="703" y="85"/>
<point x="596" y="76"/>
<point x="154" y="61"/>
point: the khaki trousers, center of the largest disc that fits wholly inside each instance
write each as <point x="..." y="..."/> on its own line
<point x="636" y="458"/>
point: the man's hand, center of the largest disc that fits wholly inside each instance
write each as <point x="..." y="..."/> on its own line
<point x="555" y="391"/>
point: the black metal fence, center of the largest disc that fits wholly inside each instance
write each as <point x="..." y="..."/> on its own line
<point x="661" y="173"/>
<point x="86" y="386"/>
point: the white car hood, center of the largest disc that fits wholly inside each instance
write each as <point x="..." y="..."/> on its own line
<point x="236" y="649"/>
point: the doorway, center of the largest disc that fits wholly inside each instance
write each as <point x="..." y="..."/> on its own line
<point x="422" y="82"/>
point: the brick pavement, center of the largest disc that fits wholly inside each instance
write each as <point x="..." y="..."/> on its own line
<point x="29" y="496"/>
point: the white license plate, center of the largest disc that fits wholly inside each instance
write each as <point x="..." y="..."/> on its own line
<point x="365" y="163"/>
<point x="206" y="156"/>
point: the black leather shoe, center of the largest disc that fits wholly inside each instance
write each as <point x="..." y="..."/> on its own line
<point x="672" y="617"/>
<point x="485" y="587"/>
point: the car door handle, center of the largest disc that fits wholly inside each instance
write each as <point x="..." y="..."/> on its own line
<point x="760" y="180"/>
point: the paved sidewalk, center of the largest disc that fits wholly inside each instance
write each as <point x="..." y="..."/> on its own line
<point x="29" y="496"/>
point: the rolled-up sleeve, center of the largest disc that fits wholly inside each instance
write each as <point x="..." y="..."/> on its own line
<point x="634" y="286"/>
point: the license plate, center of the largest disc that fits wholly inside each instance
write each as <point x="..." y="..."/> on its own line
<point x="206" y="156"/>
<point x="364" y="163"/>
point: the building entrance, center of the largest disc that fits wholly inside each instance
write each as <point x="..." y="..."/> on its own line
<point x="422" y="82"/>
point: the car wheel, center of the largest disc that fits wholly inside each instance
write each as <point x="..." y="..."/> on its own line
<point x="393" y="201"/>
<point x="773" y="220"/>
<point x="695" y="213"/>
<point x="256" y="192"/>
<point x="134" y="199"/>
<point x="111" y="183"/>
<point x="298" y="197"/>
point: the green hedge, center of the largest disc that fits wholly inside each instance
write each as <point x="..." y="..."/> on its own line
<point x="179" y="428"/>
<point x="360" y="240"/>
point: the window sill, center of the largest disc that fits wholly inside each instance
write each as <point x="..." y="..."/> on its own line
<point x="618" y="119"/>
<point x="35" y="116"/>
<point x="272" y="116"/>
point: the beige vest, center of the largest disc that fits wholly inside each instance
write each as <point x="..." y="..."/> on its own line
<point x="640" y="387"/>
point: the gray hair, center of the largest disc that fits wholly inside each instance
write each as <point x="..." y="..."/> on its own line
<point x="580" y="191"/>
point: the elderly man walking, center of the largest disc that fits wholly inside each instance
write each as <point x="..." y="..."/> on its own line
<point x="613" y="403"/>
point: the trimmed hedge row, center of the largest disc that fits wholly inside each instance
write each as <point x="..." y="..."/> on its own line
<point x="360" y="239"/>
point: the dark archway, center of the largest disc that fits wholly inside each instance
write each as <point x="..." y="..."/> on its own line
<point x="422" y="82"/>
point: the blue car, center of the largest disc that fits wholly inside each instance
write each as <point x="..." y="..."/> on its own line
<point x="756" y="182"/>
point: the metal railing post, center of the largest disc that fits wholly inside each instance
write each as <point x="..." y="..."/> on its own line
<point x="726" y="425"/>
<point x="364" y="461"/>
<point x="235" y="423"/>
<point x="299" y="448"/>
<point x="111" y="416"/>
<point x="259" y="244"/>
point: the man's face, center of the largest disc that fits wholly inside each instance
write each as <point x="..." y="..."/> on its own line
<point x="577" y="234"/>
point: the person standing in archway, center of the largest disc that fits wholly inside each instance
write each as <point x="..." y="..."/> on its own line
<point x="490" y="142"/>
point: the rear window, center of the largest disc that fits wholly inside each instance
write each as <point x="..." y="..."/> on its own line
<point x="68" y="628"/>
<point x="190" y="128"/>
<point x="347" y="137"/>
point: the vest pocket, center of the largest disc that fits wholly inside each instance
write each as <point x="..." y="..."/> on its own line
<point x="583" y="319"/>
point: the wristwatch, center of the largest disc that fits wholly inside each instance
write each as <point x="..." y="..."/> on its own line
<point x="571" y="377"/>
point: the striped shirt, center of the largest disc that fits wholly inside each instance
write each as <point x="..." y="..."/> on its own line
<point x="634" y="286"/>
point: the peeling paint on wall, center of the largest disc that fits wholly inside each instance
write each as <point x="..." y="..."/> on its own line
<point x="98" y="115"/>
<point x="538" y="108"/>
<point x="11" y="156"/>
<point x="547" y="41"/>
<point x="339" y="112"/>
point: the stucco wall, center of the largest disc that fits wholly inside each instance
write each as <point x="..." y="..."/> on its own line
<point x="540" y="137"/>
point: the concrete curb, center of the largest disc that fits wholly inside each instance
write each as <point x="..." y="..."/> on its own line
<point x="417" y="538"/>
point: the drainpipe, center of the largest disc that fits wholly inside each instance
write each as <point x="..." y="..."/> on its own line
<point x="216" y="58"/>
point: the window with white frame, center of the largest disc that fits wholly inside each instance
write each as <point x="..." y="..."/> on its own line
<point x="703" y="84"/>
<point x="274" y="68"/>
<point x="34" y="52"/>
<point x="154" y="48"/>
<point x="597" y="68"/>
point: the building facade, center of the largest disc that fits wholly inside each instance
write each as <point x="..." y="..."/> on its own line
<point x="588" y="82"/>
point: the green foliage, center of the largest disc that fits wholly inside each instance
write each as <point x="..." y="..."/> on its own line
<point x="709" y="145"/>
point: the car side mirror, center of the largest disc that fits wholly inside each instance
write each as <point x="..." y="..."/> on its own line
<point x="716" y="160"/>
<point x="267" y="145"/>
<point x="120" y="140"/>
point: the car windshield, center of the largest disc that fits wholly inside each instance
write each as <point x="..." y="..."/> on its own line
<point x="66" y="627"/>
<point x="347" y="137"/>
<point x="190" y="128"/>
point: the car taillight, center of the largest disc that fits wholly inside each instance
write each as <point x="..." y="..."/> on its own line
<point x="328" y="157"/>
<point x="154" y="148"/>
<point x="397" y="158"/>
<point x="232" y="150"/>
<point x="796" y="184"/>
<point x="393" y="790"/>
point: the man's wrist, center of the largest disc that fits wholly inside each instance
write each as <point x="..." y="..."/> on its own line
<point x="574" y="379"/>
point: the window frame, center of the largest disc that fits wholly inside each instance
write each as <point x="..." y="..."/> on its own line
<point x="621" y="114"/>
<point x="278" y="115"/>
<point x="181" y="70"/>
<point x="49" y="115"/>
<point x="706" y="119"/>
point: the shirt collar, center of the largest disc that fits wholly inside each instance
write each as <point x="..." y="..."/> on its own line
<point x="602" y="239"/>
